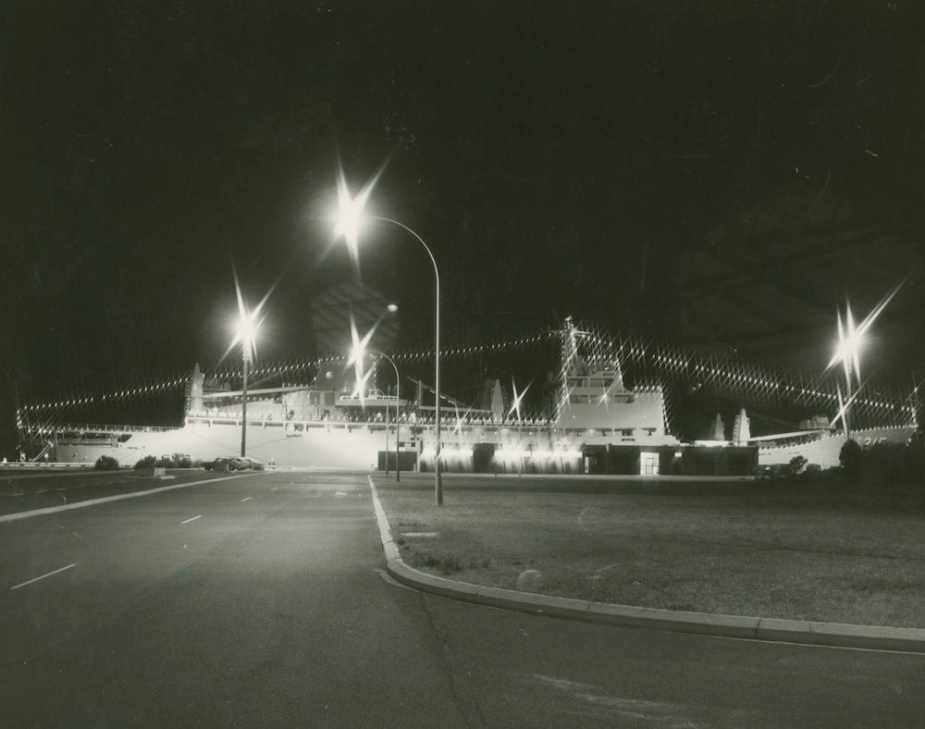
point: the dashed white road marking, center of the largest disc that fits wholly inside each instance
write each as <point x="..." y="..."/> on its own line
<point x="192" y="519"/>
<point x="42" y="577"/>
<point x="247" y="499"/>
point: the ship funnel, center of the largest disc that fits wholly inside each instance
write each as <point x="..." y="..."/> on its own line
<point x="194" y="401"/>
<point x="497" y="402"/>
<point x="741" y="432"/>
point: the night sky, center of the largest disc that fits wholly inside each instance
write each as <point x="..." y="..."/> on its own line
<point x="715" y="174"/>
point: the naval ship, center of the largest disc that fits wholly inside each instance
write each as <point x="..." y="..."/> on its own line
<point x="595" y="424"/>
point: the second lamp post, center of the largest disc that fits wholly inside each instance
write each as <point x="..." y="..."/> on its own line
<point x="349" y="219"/>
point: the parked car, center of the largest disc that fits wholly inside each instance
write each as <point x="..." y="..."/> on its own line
<point x="251" y="463"/>
<point x="216" y="464"/>
<point x="226" y="463"/>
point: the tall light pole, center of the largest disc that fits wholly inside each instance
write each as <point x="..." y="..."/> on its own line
<point x="397" y="416"/>
<point x="246" y="334"/>
<point x="349" y="220"/>
<point x="245" y="362"/>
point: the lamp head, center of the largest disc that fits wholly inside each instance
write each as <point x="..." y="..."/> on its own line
<point x="349" y="217"/>
<point x="246" y="332"/>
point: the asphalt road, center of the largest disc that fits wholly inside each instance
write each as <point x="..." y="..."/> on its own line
<point x="22" y="491"/>
<point x="259" y="600"/>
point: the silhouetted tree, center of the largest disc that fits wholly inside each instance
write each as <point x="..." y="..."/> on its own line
<point x="850" y="457"/>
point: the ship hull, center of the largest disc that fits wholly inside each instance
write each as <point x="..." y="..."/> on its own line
<point x="323" y="447"/>
<point x="825" y="450"/>
<point x="363" y="446"/>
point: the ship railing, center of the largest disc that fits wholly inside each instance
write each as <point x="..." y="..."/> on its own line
<point x="89" y="428"/>
<point x="524" y="424"/>
<point x="44" y="465"/>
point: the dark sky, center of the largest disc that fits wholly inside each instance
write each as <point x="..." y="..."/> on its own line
<point x="711" y="173"/>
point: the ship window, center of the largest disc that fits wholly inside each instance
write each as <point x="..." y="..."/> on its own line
<point x="626" y="431"/>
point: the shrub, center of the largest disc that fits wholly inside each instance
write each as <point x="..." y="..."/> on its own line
<point x="850" y="457"/>
<point x="797" y="464"/>
<point x="106" y="463"/>
<point x="774" y="470"/>
<point x="146" y="462"/>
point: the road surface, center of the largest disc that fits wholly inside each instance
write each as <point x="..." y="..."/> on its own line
<point x="259" y="601"/>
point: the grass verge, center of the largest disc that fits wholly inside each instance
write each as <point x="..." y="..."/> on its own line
<point x="740" y="549"/>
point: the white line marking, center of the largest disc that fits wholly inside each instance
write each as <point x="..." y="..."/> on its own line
<point x="247" y="499"/>
<point x="106" y="499"/>
<point x="42" y="577"/>
<point x="193" y="519"/>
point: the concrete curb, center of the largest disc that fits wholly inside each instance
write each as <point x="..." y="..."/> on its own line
<point x="730" y="626"/>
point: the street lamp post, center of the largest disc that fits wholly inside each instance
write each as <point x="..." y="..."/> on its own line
<point x="438" y="483"/>
<point x="847" y="414"/>
<point x="247" y="330"/>
<point x="245" y="361"/>
<point x="350" y="215"/>
<point x="397" y="419"/>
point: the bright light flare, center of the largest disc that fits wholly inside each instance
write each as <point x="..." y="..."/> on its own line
<point x="357" y="355"/>
<point x="511" y="453"/>
<point x="844" y="406"/>
<point x="447" y="452"/>
<point x="349" y="217"/>
<point x="246" y="330"/>
<point x="851" y="337"/>
<point x="850" y="342"/>
<point x="460" y="420"/>
<point x="360" y="388"/>
<point x="247" y="324"/>
<point x="350" y="214"/>
<point x="518" y="398"/>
